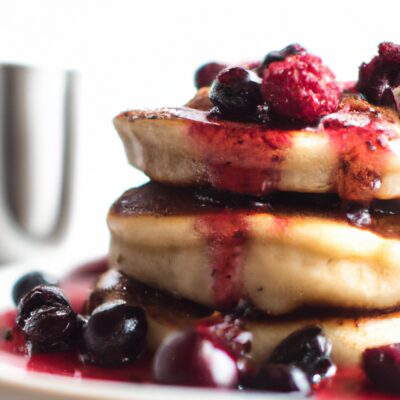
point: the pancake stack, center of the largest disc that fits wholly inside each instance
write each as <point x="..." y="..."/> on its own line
<point x="285" y="226"/>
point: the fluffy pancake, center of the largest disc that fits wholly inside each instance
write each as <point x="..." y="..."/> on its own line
<point x="281" y="253"/>
<point x="354" y="152"/>
<point x="350" y="334"/>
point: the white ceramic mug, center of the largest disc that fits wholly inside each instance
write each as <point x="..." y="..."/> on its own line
<point x="37" y="126"/>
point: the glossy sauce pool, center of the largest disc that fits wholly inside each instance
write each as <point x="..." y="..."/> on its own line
<point x="77" y="287"/>
<point x="348" y="384"/>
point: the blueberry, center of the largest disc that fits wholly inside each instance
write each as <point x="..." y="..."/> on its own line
<point x="282" y="378"/>
<point x="188" y="358"/>
<point x="281" y="55"/>
<point x="28" y="281"/>
<point x="302" y="345"/>
<point x="114" y="334"/>
<point x="322" y="368"/>
<point x="39" y="297"/>
<point x="310" y="350"/>
<point x="263" y="115"/>
<point x="382" y="367"/>
<point x="236" y="92"/>
<point x="47" y="320"/>
<point x="205" y="75"/>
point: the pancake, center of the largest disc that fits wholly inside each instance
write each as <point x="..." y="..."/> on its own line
<point x="354" y="152"/>
<point x="280" y="253"/>
<point x="349" y="333"/>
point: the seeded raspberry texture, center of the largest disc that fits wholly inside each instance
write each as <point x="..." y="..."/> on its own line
<point x="300" y="88"/>
<point x="390" y="52"/>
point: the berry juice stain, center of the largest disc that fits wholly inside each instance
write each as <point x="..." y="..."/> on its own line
<point x="247" y="157"/>
<point x="241" y="157"/>
<point x="226" y="235"/>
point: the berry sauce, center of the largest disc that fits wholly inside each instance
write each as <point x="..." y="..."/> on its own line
<point x="349" y="383"/>
<point x="247" y="157"/>
<point x="77" y="287"/>
<point x="226" y="234"/>
<point x="241" y="158"/>
<point x="362" y="143"/>
<point x="222" y="218"/>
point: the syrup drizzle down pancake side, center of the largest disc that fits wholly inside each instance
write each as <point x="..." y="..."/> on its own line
<point x="224" y="228"/>
<point x="353" y="152"/>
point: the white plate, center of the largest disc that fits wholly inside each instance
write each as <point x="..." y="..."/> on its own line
<point x="19" y="384"/>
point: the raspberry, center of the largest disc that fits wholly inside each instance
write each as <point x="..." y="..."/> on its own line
<point x="379" y="80"/>
<point x="300" y="88"/>
<point x="390" y="52"/>
<point x="236" y="92"/>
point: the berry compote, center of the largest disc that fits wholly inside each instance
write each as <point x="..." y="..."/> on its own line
<point x="225" y="336"/>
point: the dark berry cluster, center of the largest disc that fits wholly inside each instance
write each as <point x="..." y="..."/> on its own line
<point x="379" y="80"/>
<point x="299" y="361"/>
<point x="289" y="84"/>
<point x="47" y="320"/>
<point x="114" y="334"/>
<point x="197" y="359"/>
<point x="236" y="92"/>
<point x="214" y="353"/>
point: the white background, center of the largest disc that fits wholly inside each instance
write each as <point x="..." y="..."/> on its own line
<point x="143" y="54"/>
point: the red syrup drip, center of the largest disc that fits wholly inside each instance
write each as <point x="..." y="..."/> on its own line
<point x="226" y="235"/>
<point x="76" y="286"/>
<point x="360" y="163"/>
<point x="242" y="158"/>
<point x="361" y="139"/>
